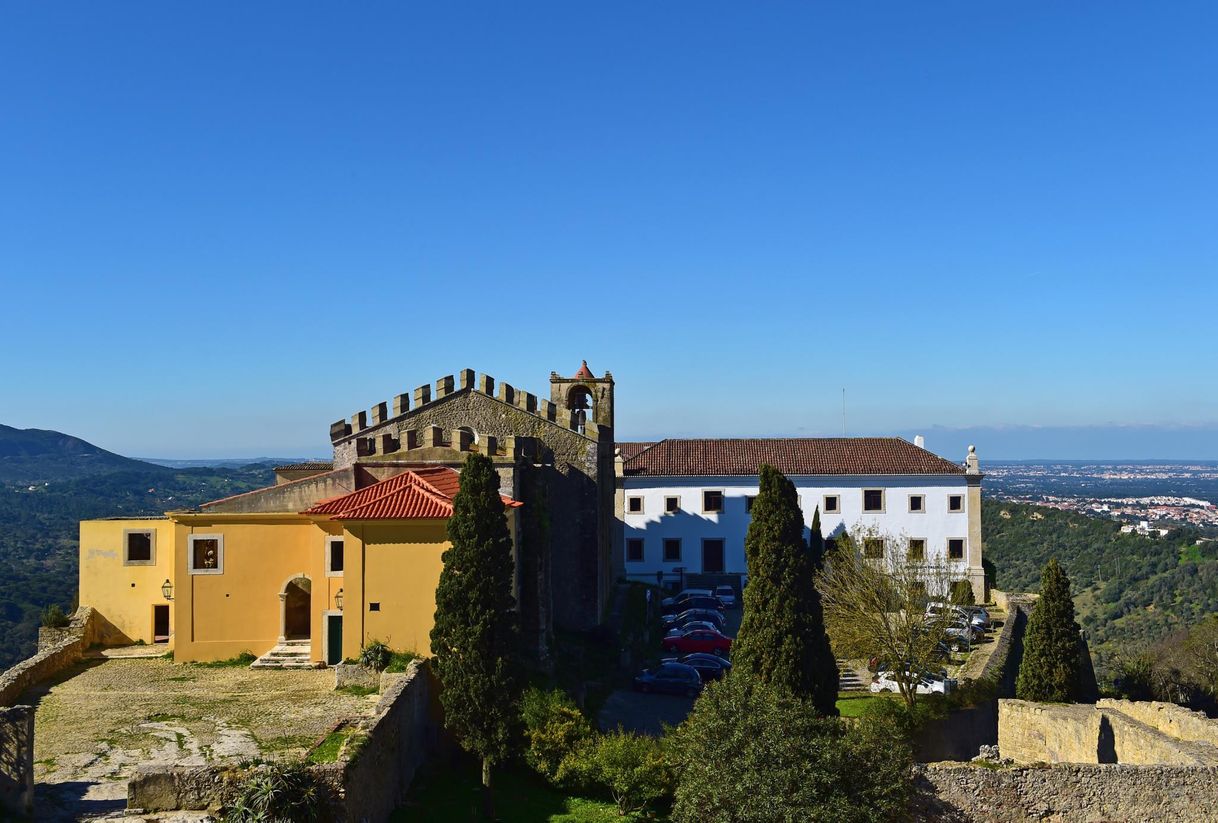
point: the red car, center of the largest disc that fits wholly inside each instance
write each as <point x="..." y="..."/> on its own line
<point x="699" y="640"/>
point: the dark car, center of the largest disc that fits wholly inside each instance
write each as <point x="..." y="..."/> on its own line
<point x="708" y="666"/>
<point x="690" y="615"/>
<point x="696" y="602"/>
<point x="669" y="678"/>
<point x="698" y="640"/>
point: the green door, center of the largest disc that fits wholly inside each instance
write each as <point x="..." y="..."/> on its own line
<point x="334" y="639"/>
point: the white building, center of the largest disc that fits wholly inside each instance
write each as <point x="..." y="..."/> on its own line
<point x="682" y="505"/>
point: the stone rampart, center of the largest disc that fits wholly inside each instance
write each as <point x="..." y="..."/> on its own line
<point x="16" y="760"/>
<point x="1174" y="721"/>
<point x="66" y="650"/>
<point x="963" y="793"/>
<point x="1048" y="732"/>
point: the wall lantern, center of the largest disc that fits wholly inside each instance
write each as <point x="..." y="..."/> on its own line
<point x="167" y="589"/>
<point x="338" y="600"/>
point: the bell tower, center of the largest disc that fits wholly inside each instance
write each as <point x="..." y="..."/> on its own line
<point x="589" y="396"/>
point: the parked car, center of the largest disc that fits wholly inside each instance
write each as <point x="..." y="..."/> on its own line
<point x="727" y="595"/>
<point x="709" y="666"/>
<point x="962" y="636"/>
<point x="926" y="683"/>
<point x="690" y="626"/>
<point x="948" y="611"/>
<point x="683" y="595"/>
<point x="698" y="640"/>
<point x="669" y="678"/>
<point x="698" y="602"/>
<point x="711" y="616"/>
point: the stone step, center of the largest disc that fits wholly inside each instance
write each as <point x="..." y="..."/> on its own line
<point x="290" y="654"/>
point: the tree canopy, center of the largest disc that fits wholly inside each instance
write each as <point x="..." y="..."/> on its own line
<point x="1051" y="667"/>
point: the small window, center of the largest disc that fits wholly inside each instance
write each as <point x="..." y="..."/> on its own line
<point x="712" y="502"/>
<point x="917" y="503"/>
<point x="672" y="549"/>
<point x="374" y="607"/>
<point x="873" y="547"/>
<point x="917" y="548"/>
<point x="634" y="505"/>
<point x="955" y="548"/>
<point x="634" y="550"/>
<point x="672" y="504"/>
<point x="749" y="500"/>
<point x="138" y="547"/>
<point x="873" y="500"/>
<point x="955" y="502"/>
<point x="206" y="554"/>
<point x="833" y="504"/>
<point x="334" y="557"/>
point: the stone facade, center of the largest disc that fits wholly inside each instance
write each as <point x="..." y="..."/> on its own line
<point x="1112" y="731"/>
<point x="1069" y="794"/>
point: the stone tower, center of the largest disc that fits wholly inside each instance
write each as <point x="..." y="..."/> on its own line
<point x="588" y="396"/>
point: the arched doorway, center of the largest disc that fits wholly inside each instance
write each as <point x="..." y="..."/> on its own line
<point x="297" y="608"/>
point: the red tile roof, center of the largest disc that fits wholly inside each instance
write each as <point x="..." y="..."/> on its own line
<point x="314" y="465"/>
<point x="802" y="455"/>
<point x="631" y="449"/>
<point x="584" y="372"/>
<point x="419" y="494"/>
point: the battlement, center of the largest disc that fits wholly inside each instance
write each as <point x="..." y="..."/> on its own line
<point x="363" y="421"/>
<point x="423" y="443"/>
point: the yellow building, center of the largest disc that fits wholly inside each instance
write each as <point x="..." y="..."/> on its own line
<point x="300" y="573"/>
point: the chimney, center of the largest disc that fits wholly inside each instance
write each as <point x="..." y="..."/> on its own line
<point x="920" y="441"/>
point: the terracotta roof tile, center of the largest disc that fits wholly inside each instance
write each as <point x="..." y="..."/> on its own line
<point x="632" y="449"/>
<point x="803" y="455"/>
<point x="314" y="465"/>
<point x="584" y="372"/>
<point x="419" y="494"/>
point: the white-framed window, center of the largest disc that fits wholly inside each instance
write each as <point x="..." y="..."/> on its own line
<point x="672" y="505"/>
<point x="833" y="504"/>
<point x="334" y="557"/>
<point x="712" y="501"/>
<point x="955" y="548"/>
<point x="634" y="505"/>
<point x="955" y="502"/>
<point x="139" y="547"/>
<point x="873" y="500"/>
<point x="205" y="553"/>
<point x="917" y="504"/>
<point x="634" y="550"/>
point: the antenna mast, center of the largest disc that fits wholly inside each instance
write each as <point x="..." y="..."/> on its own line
<point x="843" y="411"/>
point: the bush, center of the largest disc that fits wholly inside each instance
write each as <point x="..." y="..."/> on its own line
<point x="630" y="767"/>
<point x="375" y="655"/>
<point x="53" y="617"/>
<point x="554" y="728"/>
<point x="398" y="661"/>
<point x="750" y="753"/>
<point x="278" y="793"/>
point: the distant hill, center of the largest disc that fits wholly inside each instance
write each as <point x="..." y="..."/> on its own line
<point x="40" y="455"/>
<point x="227" y="462"/>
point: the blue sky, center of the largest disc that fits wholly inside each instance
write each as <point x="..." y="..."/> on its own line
<point x="223" y="226"/>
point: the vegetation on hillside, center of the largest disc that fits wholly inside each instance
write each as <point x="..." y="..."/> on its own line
<point x="1130" y="590"/>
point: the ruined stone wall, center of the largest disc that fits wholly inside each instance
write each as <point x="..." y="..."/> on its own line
<point x="16" y="760"/>
<point x="66" y="648"/>
<point x="1048" y="732"/>
<point x="1174" y="721"/>
<point x="962" y="793"/>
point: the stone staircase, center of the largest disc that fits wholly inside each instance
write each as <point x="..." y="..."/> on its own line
<point x="848" y="679"/>
<point x="289" y="654"/>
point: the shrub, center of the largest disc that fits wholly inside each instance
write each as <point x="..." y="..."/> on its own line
<point x="278" y="793"/>
<point x="398" y="661"/>
<point x="630" y="767"/>
<point x="554" y="727"/>
<point x="53" y="617"/>
<point x="375" y="655"/>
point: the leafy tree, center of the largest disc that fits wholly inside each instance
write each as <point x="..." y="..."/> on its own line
<point x="782" y="640"/>
<point x="750" y="753"/>
<point x="474" y="638"/>
<point x="1051" y="667"/>
<point x="554" y="727"/>
<point x="630" y="767"/>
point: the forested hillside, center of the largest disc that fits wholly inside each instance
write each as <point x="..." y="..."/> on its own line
<point x="39" y="531"/>
<point x="38" y="455"/>
<point x="1130" y="590"/>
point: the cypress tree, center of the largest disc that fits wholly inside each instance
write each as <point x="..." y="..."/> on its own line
<point x="782" y="640"/>
<point x="816" y="541"/>
<point x="474" y="639"/>
<point x="1050" y="669"/>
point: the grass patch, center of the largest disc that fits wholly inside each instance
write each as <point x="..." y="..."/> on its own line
<point x="243" y="659"/>
<point x="455" y="794"/>
<point x="856" y="705"/>
<point x="329" y="749"/>
<point x="358" y="691"/>
<point x="398" y="661"/>
<point x="288" y="741"/>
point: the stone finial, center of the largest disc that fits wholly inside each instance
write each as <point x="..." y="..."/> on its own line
<point x="444" y="386"/>
<point x="359" y="421"/>
<point x="486" y="385"/>
<point x="466" y="378"/>
<point x="380" y="413"/>
<point x="338" y="430"/>
<point x="971" y="464"/>
<point x="422" y="395"/>
<point x="401" y="404"/>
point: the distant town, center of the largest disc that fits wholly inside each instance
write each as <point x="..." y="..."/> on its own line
<point x="1147" y="497"/>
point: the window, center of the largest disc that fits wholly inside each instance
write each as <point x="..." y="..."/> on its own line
<point x="634" y="550"/>
<point x="955" y="502"/>
<point x="833" y="504"/>
<point x="634" y="505"/>
<point x="917" y="503"/>
<point x="712" y="556"/>
<point x="672" y="549"/>
<point x="917" y="548"/>
<point x="712" y="502"/>
<point x="206" y="554"/>
<point x="873" y="547"/>
<point x="139" y="547"/>
<point x="374" y="607"/>
<point x="955" y="548"/>
<point x="749" y="500"/>
<point x="334" y="557"/>
<point x="672" y="504"/>
<point x="873" y="500"/>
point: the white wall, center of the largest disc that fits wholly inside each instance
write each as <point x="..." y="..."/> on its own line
<point x="935" y="524"/>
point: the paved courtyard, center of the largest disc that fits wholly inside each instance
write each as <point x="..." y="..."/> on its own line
<point x="95" y="723"/>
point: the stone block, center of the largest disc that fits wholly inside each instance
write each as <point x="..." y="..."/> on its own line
<point x="410" y="438"/>
<point x="486" y="385"/>
<point x="388" y="444"/>
<point x="444" y="386"/>
<point x="435" y="437"/>
<point x="507" y="394"/>
<point x="353" y="674"/>
<point x="338" y="430"/>
<point x="463" y="440"/>
<point x="466" y="378"/>
<point x="359" y="421"/>
<point x="380" y="413"/>
<point x="401" y="404"/>
<point x="422" y="396"/>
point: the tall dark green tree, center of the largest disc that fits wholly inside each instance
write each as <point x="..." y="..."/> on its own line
<point x="475" y="637"/>
<point x="1050" y="671"/>
<point x="816" y="541"/>
<point x="782" y="641"/>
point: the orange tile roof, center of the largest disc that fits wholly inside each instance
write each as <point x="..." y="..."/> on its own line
<point x="419" y="494"/>
<point x="790" y="455"/>
<point x="584" y="372"/>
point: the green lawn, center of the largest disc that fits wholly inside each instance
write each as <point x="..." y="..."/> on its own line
<point x="853" y="705"/>
<point x="456" y="795"/>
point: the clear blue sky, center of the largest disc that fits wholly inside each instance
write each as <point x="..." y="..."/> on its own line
<point x="223" y="226"/>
